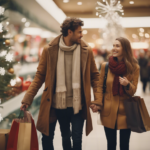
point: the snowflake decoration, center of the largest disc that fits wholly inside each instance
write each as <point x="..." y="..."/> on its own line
<point x="1" y="118"/>
<point x="3" y="53"/>
<point x="13" y="82"/>
<point x="2" y="71"/>
<point x="2" y="10"/>
<point x="9" y="57"/>
<point x="1" y="27"/>
<point x="109" y="10"/>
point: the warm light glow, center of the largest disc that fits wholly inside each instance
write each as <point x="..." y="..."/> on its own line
<point x="84" y="31"/>
<point x="147" y="35"/>
<point x="141" y="30"/>
<point x="96" y="13"/>
<point x="23" y="19"/>
<point x="27" y="24"/>
<point x="140" y="45"/>
<point x="131" y="2"/>
<point x="99" y="41"/>
<point x="122" y="13"/>
<point x="7" y="23"/>
<point x="92" y="45"/>
<point x="141" y="34"/>
<point x="134" y="36"/>
<point x="65" y="1"/>
<point x="79" y="3"/>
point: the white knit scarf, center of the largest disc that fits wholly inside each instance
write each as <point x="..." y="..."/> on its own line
<point x="76" y="79"/>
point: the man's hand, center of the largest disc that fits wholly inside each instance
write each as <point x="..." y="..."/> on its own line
<point x="95" y="108"/>
<point x="24" y="107"/>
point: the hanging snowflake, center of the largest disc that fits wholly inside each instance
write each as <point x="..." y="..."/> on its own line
<point x="1" y="27"/>
<point x="12" y="82"/>
<point x="2" y="10"/>
<point x="3" y="53"/>
<point x="2" y="71"/>
<point x="9" y="57"/>
<point x="1" y="118"/>
<point x="108" y="10"/>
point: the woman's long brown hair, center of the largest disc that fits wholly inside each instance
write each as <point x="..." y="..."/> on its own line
<point x="129" y="59"/>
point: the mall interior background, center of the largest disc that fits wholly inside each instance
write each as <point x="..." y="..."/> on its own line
<point x="34" y="23"/>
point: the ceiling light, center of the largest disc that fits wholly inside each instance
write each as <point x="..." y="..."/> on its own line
<point x="27" y="24"/>
<point x="134" y="36"/>
<point x="84" y="31"/>
<point x="141" y="30"/>
<point x="92" y="45"/>
<point x="126" y="22"/>
<point x="79" y="3"/>
<point x="119" y="2"/>
<point x="140" y="45"/>
<point x="23" y="19"/>
<point x="141" y="34"/>
<point x="147" y="35"/>
<point x="46" y="34"/>
<point x="32" y="31"/>
<point x="65" y="1"/>
<point x="54" y="11"/>
<point x="131" y="2"/>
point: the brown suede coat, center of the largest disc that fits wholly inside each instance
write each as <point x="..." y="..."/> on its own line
<point x="46" y="72"/>
<point x="113" y="111"/>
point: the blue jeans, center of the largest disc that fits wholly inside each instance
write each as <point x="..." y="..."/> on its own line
<point x="65" y="117"/>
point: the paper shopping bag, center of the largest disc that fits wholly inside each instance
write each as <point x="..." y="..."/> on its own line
<point x="144" y="114"/>
<point x="20" y="134"/>
<point x="4" y="133"/>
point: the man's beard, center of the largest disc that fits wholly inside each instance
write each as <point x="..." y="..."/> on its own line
<point x="76" y="41"/>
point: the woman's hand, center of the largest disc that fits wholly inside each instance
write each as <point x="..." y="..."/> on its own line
<point x="95" y="108"/>
<point x="123" y="81"/>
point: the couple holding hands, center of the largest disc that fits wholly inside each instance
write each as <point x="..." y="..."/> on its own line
<point x="67" y="67"/>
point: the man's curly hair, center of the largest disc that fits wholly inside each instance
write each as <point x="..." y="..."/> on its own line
<point x="70" y="23"/>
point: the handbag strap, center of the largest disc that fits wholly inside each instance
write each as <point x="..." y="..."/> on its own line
<point x="105" y="77"/>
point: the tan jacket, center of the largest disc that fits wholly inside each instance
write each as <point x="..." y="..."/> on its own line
<point x="46" y="72"/>
<point x="113" y="111"/>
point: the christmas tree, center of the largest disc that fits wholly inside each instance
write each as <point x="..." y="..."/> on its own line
<point x="7" y="76"/>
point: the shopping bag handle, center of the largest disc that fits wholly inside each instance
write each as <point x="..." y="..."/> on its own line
<point x="21" y="114"/>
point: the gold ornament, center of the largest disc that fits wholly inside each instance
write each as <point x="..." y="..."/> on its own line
<point x="7" y="42"/>
<point x="11" y="70"/>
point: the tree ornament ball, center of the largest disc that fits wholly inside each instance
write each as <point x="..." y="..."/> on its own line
<point x="11" y="70"/>
<point x="7" y="42"/>
<point x="18" y="82"/>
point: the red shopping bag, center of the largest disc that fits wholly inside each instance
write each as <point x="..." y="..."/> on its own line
<point x="23" y="135"/>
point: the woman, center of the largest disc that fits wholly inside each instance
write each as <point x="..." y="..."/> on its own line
<point x="122" y="79"/>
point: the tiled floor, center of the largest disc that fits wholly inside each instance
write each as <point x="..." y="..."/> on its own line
<point x="97" y="141"/>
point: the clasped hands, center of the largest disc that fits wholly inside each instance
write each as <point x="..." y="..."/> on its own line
<point x="95" y="108"/>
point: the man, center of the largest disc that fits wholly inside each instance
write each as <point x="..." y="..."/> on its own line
<point x="144" y="73"/>
<point x="68" y="69"/>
